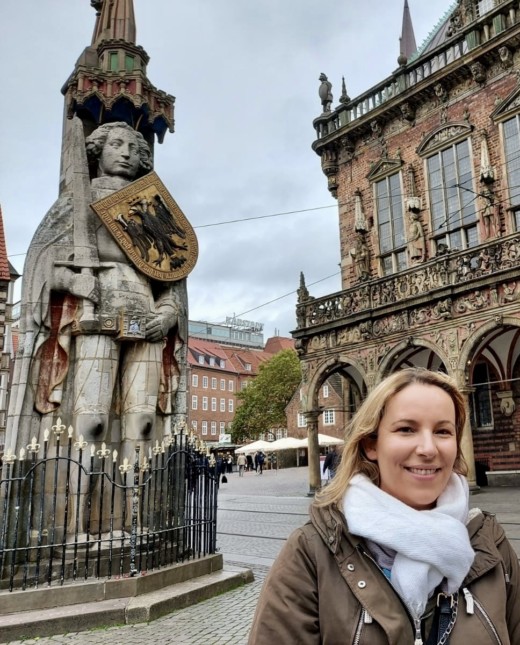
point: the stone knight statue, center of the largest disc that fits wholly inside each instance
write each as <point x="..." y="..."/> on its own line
<point x="75" y="362"/>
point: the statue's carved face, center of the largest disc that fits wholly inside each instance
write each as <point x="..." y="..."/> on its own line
<point x="120" y="155"/>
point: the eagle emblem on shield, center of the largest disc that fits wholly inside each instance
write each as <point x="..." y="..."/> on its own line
<point x="150" y="228"/>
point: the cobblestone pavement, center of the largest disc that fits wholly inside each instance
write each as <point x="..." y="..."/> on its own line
<point x="256" y="514"/>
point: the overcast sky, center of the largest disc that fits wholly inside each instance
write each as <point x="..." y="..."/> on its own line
<point x="245" y="77"/>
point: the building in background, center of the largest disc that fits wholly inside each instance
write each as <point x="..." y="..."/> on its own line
<point x="425" y="166"/>
<point x="222" y="359"/>
<point x="8" y="276"/>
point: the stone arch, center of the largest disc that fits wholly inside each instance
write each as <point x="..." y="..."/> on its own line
<point x="475" y="338"/>
<point x="326" y="369"/>
<point x="404" y="347"/>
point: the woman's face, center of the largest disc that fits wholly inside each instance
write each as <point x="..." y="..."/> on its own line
<point x="416" y="445"/>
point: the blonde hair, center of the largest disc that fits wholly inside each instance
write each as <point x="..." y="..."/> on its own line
<point x="365" y="424"/>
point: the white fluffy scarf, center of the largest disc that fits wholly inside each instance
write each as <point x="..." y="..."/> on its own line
<point x="430" y="545"/>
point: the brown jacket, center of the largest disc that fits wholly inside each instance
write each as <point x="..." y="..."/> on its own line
<point x="325" y="588"/>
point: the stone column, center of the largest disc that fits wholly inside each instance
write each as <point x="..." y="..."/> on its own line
<point x="314" y="452"/>
<point x="467" y="439"/>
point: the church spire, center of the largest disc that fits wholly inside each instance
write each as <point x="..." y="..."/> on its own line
<point x="407" y="45"/>
<point x="115" y="21"/>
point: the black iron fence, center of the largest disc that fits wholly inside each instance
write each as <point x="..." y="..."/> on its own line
<point x="71" y="511"/>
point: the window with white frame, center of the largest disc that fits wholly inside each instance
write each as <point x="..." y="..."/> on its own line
<point x="213" y="427"/>
<point x="328" y="417"/>
<point x="452" y="198"/>
<point x="281" y="433"/>
<point x="390" y="224"/>
<point x="213" y="383"/>
<point x="325" y="391"/>
<point x="204" y="402"/>
<point x="223" y="364"/>
<point x="230" y="405"/>
<point x="194" y="402"/>
<point x="205" y="382"/>
<point x="201" y="359"/>
<point x="222" y="384"/>
<point x="212" y="361"/>
<point x="213" y="404"/>
<point x="248" y="367"/>
<point x="484" y="6"/>
<point x="511" y="133"/>
<point x="194" y="426"/>
<point x="222" y="405"/>
<point x="230" y="386"/>
<point x="204" y="427"/>
<point x="222" y="427"/>
<point x="195" y="380"/>
<point x="302" y="420"/>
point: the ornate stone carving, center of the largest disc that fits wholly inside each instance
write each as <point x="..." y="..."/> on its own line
<point x="390" y="324"/>
<point x="329" y="166"/>
<point x="440" y="311"/>
<point x="408" y="111"/>
<point x="477" y="300"/>
<point x="487" y="172"/>
<point x="478" y="72"/>
<point x="361" y="257"/>
<point x="509" y="293"/>
<point x="441" y="93"/>
<point x="490" y="214"/>
<point x="442" y="135"/>
<point x="506" y="57"/>
<point x="416" y="245"/>
<point x="507" y="403"/>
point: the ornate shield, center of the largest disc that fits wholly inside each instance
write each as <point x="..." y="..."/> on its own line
<point x="151" y="229"/>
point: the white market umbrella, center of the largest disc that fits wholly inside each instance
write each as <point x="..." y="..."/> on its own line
<point x="253" y="447"/>
<point x="323" y="440"/>
<point x="287" y="443"/>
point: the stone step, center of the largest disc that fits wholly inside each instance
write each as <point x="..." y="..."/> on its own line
<point x="106" y="613"/>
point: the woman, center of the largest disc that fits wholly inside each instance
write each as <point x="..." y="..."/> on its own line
<point x="391" y="554"/>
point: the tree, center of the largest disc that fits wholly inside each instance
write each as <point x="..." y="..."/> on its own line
<point x="263" y="402"/>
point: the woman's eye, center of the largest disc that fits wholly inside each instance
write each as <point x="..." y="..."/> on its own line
<point x="405" y="429"/>
<point x="445" y="431"/>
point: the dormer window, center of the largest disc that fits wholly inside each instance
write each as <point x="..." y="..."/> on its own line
<point x="201" y="359"/>
<point x="212" y="361"/>
<point x="248" y="367"/>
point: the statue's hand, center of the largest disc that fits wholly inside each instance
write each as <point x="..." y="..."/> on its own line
<point x="85" y="286"/>
<point x="82" y="285"/>
<point x="157" y="328"/>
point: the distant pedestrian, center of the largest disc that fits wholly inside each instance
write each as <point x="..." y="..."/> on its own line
<point x="259" y="462"/>
<point x="241" y="463"/>
<point x="331" y="462"/>
<point x="229" y="463"/>
<point x="250" y="465"/>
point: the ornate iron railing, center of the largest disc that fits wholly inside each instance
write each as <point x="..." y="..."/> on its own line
<point x="69" y="511"/>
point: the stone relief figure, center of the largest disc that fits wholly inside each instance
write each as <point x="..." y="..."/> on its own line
<point x="506" y="57"/>
<point x="325" y="92"/>
<point x="509" y="293"/>
<point x="120" y="388"/>
<point x="490" y="215"/>
<point x="361" y="257"/>
<point x="416" y="241"/>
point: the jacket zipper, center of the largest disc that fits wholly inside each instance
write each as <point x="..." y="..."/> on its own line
<point x="471" y="602"/>
<point x="359" y="628"/>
